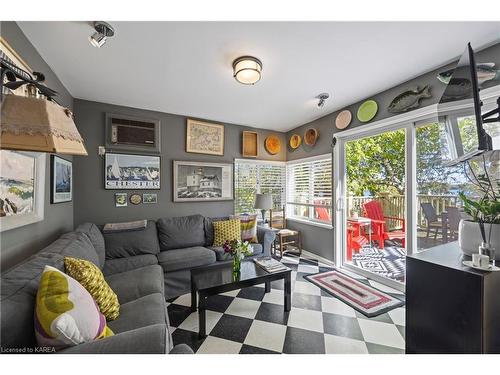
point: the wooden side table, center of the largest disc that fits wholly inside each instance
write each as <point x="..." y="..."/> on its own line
<point x="284" y="238"/>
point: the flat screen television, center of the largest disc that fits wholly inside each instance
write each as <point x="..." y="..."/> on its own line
<point x="460" y="107"/>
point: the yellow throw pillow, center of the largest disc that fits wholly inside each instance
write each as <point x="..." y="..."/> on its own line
<point x="92" y="279"/>
<point x="65" y="313"/>
<point x="226" y="230"/>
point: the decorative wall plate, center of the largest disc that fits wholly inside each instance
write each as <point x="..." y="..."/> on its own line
<point x="295" y="141"/>
<point x="367" y="110"/>
<point x="311" y="136"/>
<point x="135" y="199"/>
<point x="272" y="144"/>
<point x="343" y="119"/>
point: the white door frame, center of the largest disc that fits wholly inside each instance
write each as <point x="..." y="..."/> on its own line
<point x="409" y="122"/>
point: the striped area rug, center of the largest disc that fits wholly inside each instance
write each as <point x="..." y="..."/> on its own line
<point x="364" y="298"/>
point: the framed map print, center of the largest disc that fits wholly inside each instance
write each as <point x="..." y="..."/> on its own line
<point x="204" y="137"/>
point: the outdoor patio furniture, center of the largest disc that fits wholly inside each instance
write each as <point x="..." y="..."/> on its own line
<point x="381" y="232"/>
<point x="450" y="220"/>
<point x="431" y="219"/>
<point x="355" y="238"/>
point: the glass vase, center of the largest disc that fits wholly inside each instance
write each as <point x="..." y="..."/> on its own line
<point x="236" y="266"/>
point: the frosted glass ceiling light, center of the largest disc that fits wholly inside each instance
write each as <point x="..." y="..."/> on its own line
<point x="247" y="70"/>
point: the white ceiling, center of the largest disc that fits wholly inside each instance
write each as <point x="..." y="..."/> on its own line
<point x="185" y="67"/>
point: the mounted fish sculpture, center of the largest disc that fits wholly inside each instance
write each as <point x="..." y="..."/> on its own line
<point x="485" y="72"/>
<point x="409" y="99"/>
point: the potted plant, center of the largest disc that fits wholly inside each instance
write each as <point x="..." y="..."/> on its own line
<point x="238" y="249"/>
<point x="484" y="222"/>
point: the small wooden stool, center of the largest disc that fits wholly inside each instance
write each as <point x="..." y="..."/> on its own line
<point x="284" y="238"/>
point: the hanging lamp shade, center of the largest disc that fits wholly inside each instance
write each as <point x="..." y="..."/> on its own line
<point x="33" y="124"/>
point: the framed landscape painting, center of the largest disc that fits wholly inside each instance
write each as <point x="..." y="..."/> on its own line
<point x="197" y="181"/>
<point x="127" y="171"/>
<point x="61" y="172"/>
<point x="22" y="183"/>
<point x="204" y="137"/>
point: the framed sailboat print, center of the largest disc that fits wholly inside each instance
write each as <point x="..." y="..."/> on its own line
<point x="127" y="171"/>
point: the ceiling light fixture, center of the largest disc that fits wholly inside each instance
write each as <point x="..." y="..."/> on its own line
<point x="247" y="70"/>
<point x="103" y="31"/>
<point x="322" y="99"/>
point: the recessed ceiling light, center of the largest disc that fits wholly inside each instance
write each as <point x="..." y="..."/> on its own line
<point x="103" y="31"/>
<point x="247" y="70"/>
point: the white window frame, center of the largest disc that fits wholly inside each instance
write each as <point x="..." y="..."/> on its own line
<point x="16" y="221"/>
<point x="257" y="188"/>
<point x="311" y="220"/>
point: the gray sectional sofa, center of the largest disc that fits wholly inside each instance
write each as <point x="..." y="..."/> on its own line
<point x="143" y="267"/>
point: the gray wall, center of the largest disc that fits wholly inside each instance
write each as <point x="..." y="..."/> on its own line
<point x="94" y="203"/>
<point x="17" y="244"/>
<point x="320" y="240"/>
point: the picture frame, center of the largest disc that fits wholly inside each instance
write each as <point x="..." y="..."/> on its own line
<point x="204" y="137"/>
<point x="121" y="199"/>
<point x="202" y="181"/>
<point x="149" y="198"/>
<point x="250" y="144"/>
<point x="132" y="171"/>
<point x="24" y="171"/>
<point x="61" y="180"/>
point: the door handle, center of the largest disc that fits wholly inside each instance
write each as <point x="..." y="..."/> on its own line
<point x="340" y="204"/>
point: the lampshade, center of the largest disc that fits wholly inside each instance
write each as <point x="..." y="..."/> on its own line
<point x="32" y="124"/>
<point x="263" y="201"/>
<point x="247" y="70"/>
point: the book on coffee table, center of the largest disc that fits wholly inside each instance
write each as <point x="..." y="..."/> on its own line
<point x="270" y="264"/>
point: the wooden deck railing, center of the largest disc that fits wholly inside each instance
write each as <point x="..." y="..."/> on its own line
<point x="394" y="205"/>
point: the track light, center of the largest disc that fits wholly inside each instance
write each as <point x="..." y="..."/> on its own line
<point x="103" y="31"/>
<point x="322" y="99"/>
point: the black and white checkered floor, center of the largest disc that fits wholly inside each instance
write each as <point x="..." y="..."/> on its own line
<point x="251" y="321"/>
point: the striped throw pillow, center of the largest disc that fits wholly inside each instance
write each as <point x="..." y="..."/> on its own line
<point x="248" y="224"/>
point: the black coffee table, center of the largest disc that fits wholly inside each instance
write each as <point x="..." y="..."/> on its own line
<point x="216" y="279"/>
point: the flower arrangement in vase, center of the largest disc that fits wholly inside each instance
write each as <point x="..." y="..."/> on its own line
<point x="238" y="249"/>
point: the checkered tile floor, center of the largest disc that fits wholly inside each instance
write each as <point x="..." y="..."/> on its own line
<point x="250" y="321"/>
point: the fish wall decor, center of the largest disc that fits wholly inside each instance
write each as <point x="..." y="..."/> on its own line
<point x="485" y="72"/>
<point x="410" y="99"/>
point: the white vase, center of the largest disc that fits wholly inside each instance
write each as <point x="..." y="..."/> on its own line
<point x="469" y="237"/>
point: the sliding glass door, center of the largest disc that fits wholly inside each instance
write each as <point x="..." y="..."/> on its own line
<point x="374" y="204"/>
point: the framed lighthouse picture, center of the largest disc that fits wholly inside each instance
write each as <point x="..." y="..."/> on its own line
<point x="198" y="181"/>
<point x="127" y="171"/>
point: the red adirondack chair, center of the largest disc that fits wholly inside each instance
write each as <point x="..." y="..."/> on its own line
<point x="373" y="210"/>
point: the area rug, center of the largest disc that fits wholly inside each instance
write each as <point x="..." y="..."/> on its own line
<point x="389" y="262"/>
<point x="366" y="299"/>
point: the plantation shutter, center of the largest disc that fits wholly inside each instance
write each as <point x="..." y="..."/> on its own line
<point x="309" y="184"/>
<point x="252" y="177"/>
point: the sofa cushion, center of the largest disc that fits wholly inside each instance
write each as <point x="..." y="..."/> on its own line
<point x="95" y="236"/>
<point x="134" y="242"/>
<point x="141" y="312"/>
<point x="112" y="266"/>
<point x="209" y="228"/>
<point x="92" y="279"/>
<point x="134" y="284"/>
<point x="221" y="255"/>
<point x="75" y="245"/>
<point x="65" y="313"/>
<point x="179" y="259"/>
<point x="227" y="230"/>
<point x="180" y="232"/>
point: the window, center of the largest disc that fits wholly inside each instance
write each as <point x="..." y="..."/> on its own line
<point x="253" y="176"/>
<point x="309" y="183"/>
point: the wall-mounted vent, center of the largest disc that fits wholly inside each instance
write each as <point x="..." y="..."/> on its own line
<point x="132" y="134"/>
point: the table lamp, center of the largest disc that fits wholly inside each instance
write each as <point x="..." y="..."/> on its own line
<point x="263" y="202"/>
